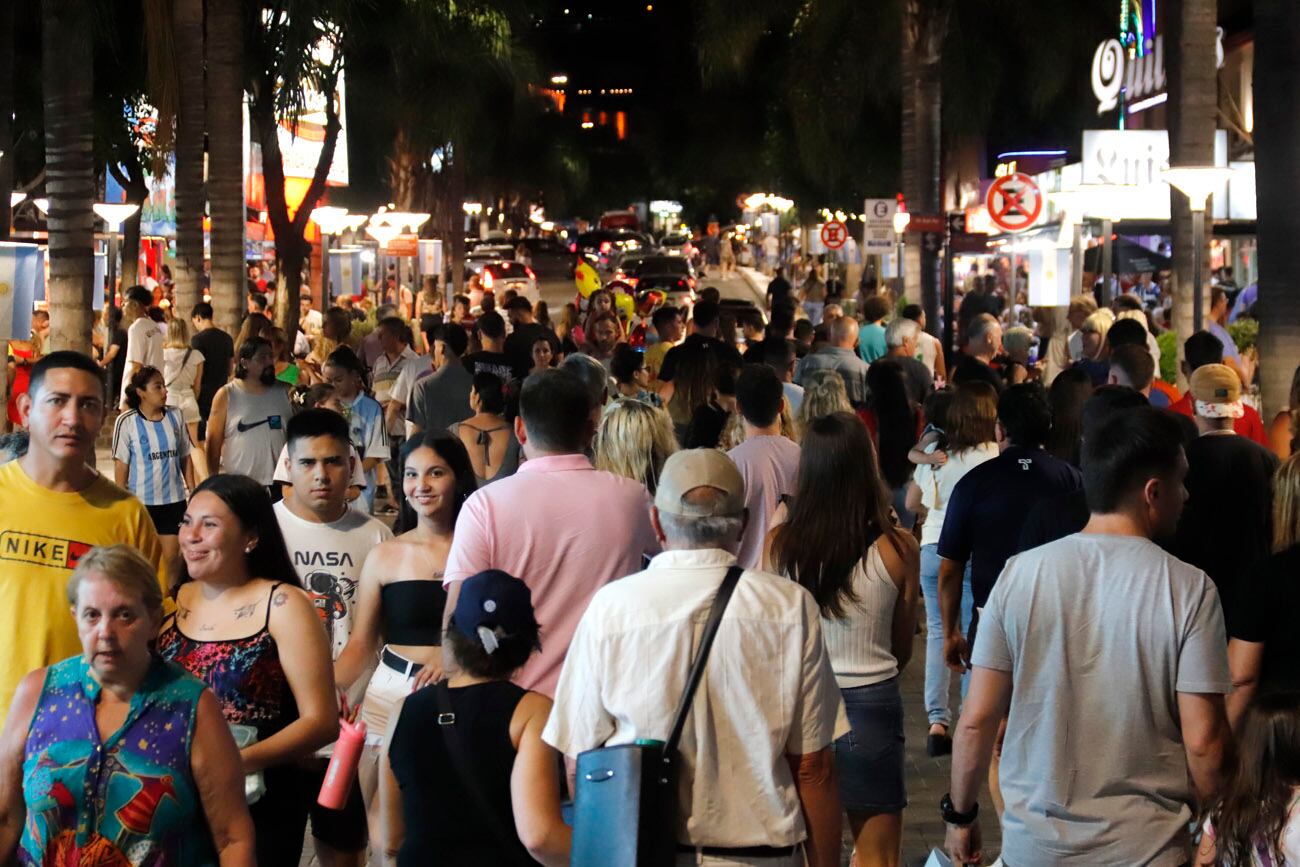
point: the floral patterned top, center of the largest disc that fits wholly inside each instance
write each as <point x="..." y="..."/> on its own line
<point x="130" y="799"/>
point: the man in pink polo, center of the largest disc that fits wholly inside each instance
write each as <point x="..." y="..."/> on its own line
<point x="564" y="527"/>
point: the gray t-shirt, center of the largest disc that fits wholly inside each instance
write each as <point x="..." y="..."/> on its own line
<point x="441" y="399"/>
<point x="1099" y="634"/>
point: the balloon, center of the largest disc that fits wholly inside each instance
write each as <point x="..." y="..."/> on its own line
<point x="624" y="305"/>
<point x="586" y="279"/>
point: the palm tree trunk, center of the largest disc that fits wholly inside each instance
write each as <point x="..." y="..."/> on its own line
<point x="137" y="190"/>
<point x="456" y="243"/>
<point x="1193" y="107"/>
<point x="6" y="116"/>
<point x="925" y="24"/>
<point x="225" y="48"/>
<point x="188" y="29"/>
<point x="1277" y="138"/>
<point x="68" y="60"/>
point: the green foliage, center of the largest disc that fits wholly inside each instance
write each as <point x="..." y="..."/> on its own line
<point x="1244" y="332"/>
<point x="1168" y="343"/>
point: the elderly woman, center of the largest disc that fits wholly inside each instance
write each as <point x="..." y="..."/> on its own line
<point x="1096" y="356"/>
<point x="823" y="394"/>
<point x="244" y="627"/>
<point x="117" y="756"/>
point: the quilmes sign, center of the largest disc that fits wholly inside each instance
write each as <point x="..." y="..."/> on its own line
<point x="1139" y="79"/>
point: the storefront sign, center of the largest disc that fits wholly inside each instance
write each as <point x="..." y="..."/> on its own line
<point x="1115" y="73"/>
<point x="878" y="224"/>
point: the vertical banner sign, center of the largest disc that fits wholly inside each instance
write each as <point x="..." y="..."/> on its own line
<point x="101" y="274"/>
<point x="20" y="267"/>
<point x="431" y="257"/>
<point x="1049" y="278"/>
<point x="878" y="225"/>
<point x="345" y="272"/>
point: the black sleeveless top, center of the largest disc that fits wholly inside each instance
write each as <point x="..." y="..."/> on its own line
<point x="412" y="612"/>
<point x="441" y="813"/>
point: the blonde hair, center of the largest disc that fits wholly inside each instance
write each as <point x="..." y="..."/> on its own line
<point x="1138" y="316"/>
<point x="733" y="432"/>
<point x="823" y="394"/>
<point x="1018" y="338"/>
<point x="178" y="334"/>
<point x="1083" y="303"/>
<point x="125" y="567"/>
<point x="1100" y="322"/>
<point x="634" y="441"/>
<point x="1286" y="504"/>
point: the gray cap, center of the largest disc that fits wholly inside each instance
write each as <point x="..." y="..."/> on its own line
<point x="687" y="470"/>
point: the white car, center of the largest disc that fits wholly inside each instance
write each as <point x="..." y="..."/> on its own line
<point x="501" y="275"/>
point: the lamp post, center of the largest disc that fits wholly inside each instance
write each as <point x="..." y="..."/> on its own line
<point x="383" y="232"/>
<point x="113" y="215"/>
<point x="1197" y="183"/>
<point x="901" y="221"/>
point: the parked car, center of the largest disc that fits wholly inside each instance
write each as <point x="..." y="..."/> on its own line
<point x="551" y="260"/>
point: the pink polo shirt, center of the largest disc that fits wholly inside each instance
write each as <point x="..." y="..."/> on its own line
<point x="564" y="527"/>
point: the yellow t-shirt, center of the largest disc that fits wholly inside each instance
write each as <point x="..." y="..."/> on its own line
<point x="43" y="534"/>
<point x="654" y="358"/>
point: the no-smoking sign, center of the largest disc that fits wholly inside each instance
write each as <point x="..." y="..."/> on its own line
<point x="1014" y="202"/>
<point x="834" y="234"/>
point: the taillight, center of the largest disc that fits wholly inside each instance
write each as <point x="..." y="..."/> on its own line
<point x="529" y="272"/>
<point x="631" y="281"/>
<point x="691" y="282"/>
<point x="487" y="279"/>
<point x="573" y="248"/>
<point x="604" y="246"/>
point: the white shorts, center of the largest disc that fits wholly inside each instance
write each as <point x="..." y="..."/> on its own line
<point x="386" y="689"/>
<point x="186" y="403"/>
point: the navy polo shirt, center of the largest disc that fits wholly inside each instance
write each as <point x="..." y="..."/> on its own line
<point x="990" y="505"/>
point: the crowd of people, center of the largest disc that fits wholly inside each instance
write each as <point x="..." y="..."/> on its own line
<point x="493" y="538"/>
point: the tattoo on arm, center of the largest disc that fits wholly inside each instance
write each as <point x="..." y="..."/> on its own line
<point x="279" y="599"/>
<point x="245" y="611"/>
<point x="206" y="627"/>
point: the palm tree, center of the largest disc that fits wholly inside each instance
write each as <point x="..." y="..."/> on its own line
<point x="1277" y="137"/>
<point x="225" y="96"/>
<point x="67" y="64"/>
<point x="1193" y="109"/>
<point x="6" y="114"/>
<point x="187" y="24"/>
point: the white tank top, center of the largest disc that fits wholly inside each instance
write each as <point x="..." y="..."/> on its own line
<point x="860" y="644"/>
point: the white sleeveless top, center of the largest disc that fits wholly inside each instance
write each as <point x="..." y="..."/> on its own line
<point x="860" y="644"/>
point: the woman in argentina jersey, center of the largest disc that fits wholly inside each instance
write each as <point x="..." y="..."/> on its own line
<point x="151" y="454"/>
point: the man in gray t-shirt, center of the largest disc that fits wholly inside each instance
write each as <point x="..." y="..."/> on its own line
<point x="1108" y="658"/>
<point x="442" y="398"/>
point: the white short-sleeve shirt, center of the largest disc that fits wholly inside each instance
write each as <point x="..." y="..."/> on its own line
<point x="767" y="692"/>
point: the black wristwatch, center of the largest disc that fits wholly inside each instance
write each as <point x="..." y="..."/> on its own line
<point x="952" y="817"/>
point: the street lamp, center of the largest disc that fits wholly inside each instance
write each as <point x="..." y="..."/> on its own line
<point x="383" y="232"/>
<point x="901" y="221"/>
<point x="113" y="215"/>
<point x="1098" y="202"/>
<point x="15" y="199"/>
<point x="1197" y="183"/>
<point x="331" y="220"/>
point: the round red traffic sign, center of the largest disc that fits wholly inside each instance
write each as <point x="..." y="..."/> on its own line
<point x="834" y="234"/>
<point x="1014" y="202"/>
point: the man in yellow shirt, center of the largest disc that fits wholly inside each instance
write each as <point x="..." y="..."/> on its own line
<point x="668" y="325"/>
<point x="54" y="507"/>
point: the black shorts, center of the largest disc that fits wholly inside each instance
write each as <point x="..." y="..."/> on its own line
<point x="167" y="519"/>
<point x="280" y="816"/>
<point x="345" y="830"/>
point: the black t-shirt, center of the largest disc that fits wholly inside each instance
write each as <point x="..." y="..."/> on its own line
<point x="490" y="362"/>
<point x="778" y="292"/>
<point x="1265" y="613"/>
<point x="1226" y="524"/>
<point x="218" y="349"/>
<point x="1054" y="519"/>
<point x="696" y="343"/>
<point x="970" y="369"/>
<point x="117" y="367"/>
<point x="519" y="345"/>
<point x="989" y="507"/>
<point x="705" y="430"/>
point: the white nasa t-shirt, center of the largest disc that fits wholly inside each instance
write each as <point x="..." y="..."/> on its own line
<point x="328" y="559"/>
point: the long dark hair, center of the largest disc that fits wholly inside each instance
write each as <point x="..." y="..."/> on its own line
<point x="1254" y="807"/>
<point x="1066" y="397"/>
<point x="895" y="420"/>
<point x="245" y="352"/>
<point x="840" y="509"/>
<point x="140" y="379"/>
<point x="345" y="358"/>
<point x="251" y="505"/>
<point x="451" y="450"/>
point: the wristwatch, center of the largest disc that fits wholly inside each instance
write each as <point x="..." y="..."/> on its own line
<point x="952" y="817"/>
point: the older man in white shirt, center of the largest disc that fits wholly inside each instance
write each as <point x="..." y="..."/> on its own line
<point x="757" y="781"/>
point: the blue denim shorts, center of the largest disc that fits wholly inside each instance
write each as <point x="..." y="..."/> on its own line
<point x="869" y="759"/>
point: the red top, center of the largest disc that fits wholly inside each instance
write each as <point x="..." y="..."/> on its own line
<point x="1249" y="425"/>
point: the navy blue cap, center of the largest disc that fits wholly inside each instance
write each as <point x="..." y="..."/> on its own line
<point x="493" y="603"/>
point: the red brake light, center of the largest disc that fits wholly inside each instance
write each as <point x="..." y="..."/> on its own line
<point x="529" y="271"/>
<point x="487" y="279"/>
<point x="604" y="246"/>
<point x="573" y="248"/>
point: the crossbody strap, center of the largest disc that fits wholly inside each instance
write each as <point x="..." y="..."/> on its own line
<point x="456" y="752"/>
<point x="720" y="601"/>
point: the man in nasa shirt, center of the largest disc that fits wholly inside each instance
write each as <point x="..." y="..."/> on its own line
<point x="328" y="543"/>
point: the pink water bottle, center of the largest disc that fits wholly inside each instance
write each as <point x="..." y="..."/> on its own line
<point x="342" y="769"/>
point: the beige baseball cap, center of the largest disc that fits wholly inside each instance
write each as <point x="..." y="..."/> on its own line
<point x="687" y="470"/>
<point x="1217" y="391"/>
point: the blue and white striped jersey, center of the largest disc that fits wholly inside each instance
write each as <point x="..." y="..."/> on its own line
<point x="154" y="453"/>
<point x="366" y="426"/>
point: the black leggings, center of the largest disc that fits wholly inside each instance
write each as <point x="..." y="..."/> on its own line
<point x="280" y="816"/>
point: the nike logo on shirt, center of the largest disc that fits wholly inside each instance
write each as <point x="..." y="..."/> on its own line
<point x="247" y="427"/>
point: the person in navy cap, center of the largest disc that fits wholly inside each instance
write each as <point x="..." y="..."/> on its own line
<point x="467" y="776"/>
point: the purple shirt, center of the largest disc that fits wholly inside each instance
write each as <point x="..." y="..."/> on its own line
<point x="769" y="465"/>
<point x="564" y="527"/>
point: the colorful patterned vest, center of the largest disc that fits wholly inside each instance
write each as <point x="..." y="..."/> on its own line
<point x="129" y="800"/>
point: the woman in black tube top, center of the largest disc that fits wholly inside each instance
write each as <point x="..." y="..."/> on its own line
<point x="397" y="618"/>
